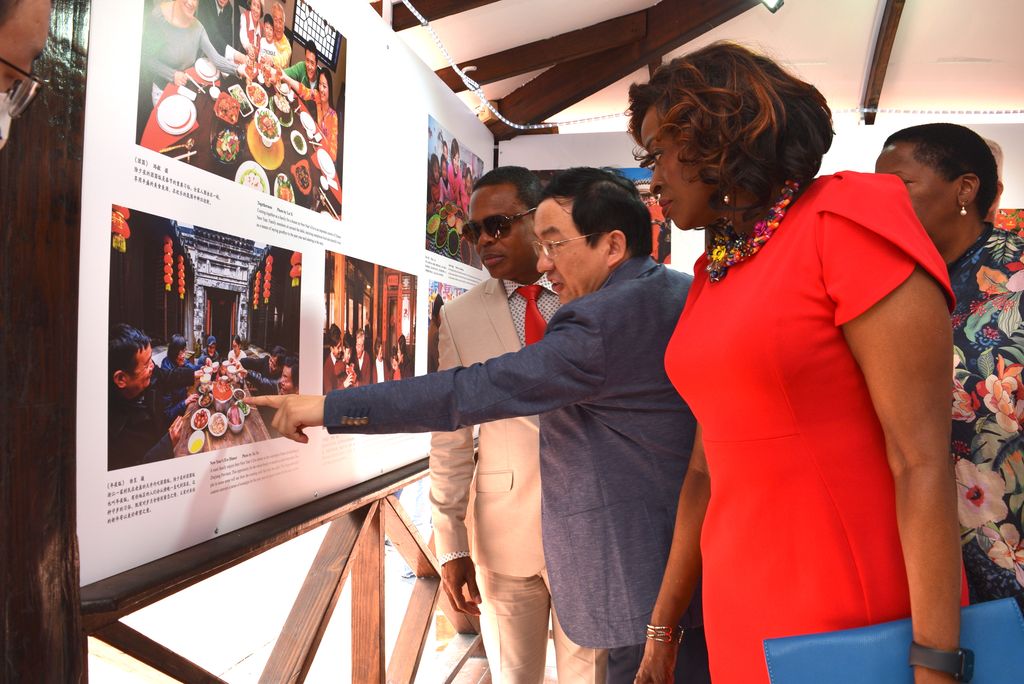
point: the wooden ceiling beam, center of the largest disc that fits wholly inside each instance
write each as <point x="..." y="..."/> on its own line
<point x="403" y="19"/>
<point x="670" y="24"/>
<point x="543" y="53"/>
<point x="880" y="58"/>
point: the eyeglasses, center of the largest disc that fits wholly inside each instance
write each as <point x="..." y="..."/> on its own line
<point x="549" y="248"/>
<point x="22" y="92"/>
<point x="495" y="226"/>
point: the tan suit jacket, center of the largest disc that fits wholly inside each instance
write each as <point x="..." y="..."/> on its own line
<point x="503" y="487"/>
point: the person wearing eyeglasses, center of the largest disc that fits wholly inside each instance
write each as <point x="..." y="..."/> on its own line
<point x="24" y="25"/>
<point x="615" y="437"/>
<point x="501" y="575"/>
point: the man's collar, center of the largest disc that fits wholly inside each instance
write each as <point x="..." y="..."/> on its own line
<point x="511" y="286"/>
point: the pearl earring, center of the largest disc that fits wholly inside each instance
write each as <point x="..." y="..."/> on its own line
<point x="963" y="210"/>
<point x="725" y="200"/>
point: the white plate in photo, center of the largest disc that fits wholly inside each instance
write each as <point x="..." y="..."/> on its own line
<point x="326" y="165"/>
<point x="176" y="114"/>
<point x="307" y="122"/>
<point x="206" y="70"/>
<point x="298" y="142"/>
<point x="251" y="175"/>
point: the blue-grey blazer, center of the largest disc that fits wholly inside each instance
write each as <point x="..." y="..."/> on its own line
<point x="615" y="442"/>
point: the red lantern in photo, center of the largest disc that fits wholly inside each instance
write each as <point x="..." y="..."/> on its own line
<point x="256" y="291"/>
<point x="181" y="277"/>
<point x="168" y="251"/>
<point x="119" y="228"/>
<point x="266" y="280"/>
<point x="296" y="271"/>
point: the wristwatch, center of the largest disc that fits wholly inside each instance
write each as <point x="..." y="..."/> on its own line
<point x="959" y="663"/>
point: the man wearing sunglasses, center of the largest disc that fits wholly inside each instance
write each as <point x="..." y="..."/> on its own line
<point x="24" y="25"/>
<point x="615" y="437"/>
<point x="500" y="315"/>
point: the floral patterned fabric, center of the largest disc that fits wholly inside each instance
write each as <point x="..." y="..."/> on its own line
<point x="988" y="411"/>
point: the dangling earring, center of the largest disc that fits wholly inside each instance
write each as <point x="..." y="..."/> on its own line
<point x="725" y="200"/>
<point x="963" y="210"/>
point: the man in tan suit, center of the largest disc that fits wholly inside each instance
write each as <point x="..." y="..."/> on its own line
<point x="499" y="492"/>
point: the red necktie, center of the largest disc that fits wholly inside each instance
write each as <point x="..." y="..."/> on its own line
<point x="535" y="322"/>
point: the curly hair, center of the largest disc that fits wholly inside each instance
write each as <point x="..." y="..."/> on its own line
<point x="744" y="121"/>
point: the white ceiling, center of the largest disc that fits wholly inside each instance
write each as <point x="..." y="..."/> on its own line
<point x="948" y="54"/>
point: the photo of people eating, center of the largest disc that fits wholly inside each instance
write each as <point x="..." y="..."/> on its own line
<point x="369" y="323"/>
<point x="236" y="92"/>
<point x="451" y="171"/>
<point x="199" y="322"/>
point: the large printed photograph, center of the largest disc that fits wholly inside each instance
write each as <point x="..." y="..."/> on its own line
<point x="199" y="322"/>
<point x="253" y="92"/>
<point x="452" y="168"/>
<point x="438" y="294"/>
<point x="369" y="323"/>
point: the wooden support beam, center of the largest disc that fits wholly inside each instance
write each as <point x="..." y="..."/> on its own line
<point x="670" y="24"/>
<point x="880" y="57"/>
<point x="431" y="9"/>
<point x="543" y="53"/>
<point x="368" y="602"/>
<point x="412" y="635"/>
<point x="406" y="539"/>
<point x="306" y="623"/>
<point x="154" y="654"/>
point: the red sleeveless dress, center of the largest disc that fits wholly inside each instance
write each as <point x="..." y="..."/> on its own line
<point x="800" y="534"/>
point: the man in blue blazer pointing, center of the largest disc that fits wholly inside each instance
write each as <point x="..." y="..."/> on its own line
<point x="615" y="437"/>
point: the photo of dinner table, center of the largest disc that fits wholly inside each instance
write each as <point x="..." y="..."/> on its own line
<point x="221" y="418"/>
<point x="263" y="137"/>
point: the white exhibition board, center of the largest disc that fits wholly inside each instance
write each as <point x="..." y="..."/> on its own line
<point x="132" y="515"/>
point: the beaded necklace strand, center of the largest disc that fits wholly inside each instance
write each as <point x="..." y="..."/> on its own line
<point x="729" y="248"/>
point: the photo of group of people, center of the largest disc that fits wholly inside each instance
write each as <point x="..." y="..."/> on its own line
<point x="235" y="91"/>
<point x="451" y="171"/>
<point x="199" y="321"/>
<point x="369" y="323"/>
<point x="438" y="295"/>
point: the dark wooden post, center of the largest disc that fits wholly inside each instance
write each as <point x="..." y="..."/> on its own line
<point x="40" y="214"/>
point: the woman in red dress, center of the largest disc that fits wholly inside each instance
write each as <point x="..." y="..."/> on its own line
<point x="814" y="350"/>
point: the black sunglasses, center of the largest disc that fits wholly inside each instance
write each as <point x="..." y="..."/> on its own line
<point x="495" y="226"/>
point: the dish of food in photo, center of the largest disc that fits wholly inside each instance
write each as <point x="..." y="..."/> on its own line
<point x="453" y="243"/>
<point x="196" y="441"/>
<point x="235" y="419"/>
<point x="206" y="70"/>
<point x="243" y="407"/>
<point x="238" y="394"/>
<point x="433" y="223"/>
<point x="200" y="419"/>
<point x="226" y="108"/>
<point x="298" y="142"/>
<point x="252" y="175"/>
<point x="226" y="145"/>
<point x="300" y="172"/>
<point x="267" y="126"/>
<point x="257" y="95"/>
<point x="283" y="188"/>
<point x="441" y="236"/>
<point x="205" y="399"/>
<point x="281" y="104"/>
<point x="218" y="424"/>
<point x="238" y="93"/>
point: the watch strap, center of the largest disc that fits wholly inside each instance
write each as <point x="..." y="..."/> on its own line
<point x="959" y="663"/>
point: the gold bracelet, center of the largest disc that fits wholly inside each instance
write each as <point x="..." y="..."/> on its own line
<point x="666" y="635"/>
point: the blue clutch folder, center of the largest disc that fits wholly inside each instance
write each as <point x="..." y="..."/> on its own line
<point x="878" y="654"/>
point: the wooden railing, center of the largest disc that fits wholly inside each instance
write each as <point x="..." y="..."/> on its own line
<point x="359" y="519"/>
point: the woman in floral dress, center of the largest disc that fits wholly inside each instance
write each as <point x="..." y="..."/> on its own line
<point x="951" y="175"/>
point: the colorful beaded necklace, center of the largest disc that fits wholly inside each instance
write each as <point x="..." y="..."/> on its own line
<point x="728" y="248"/>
